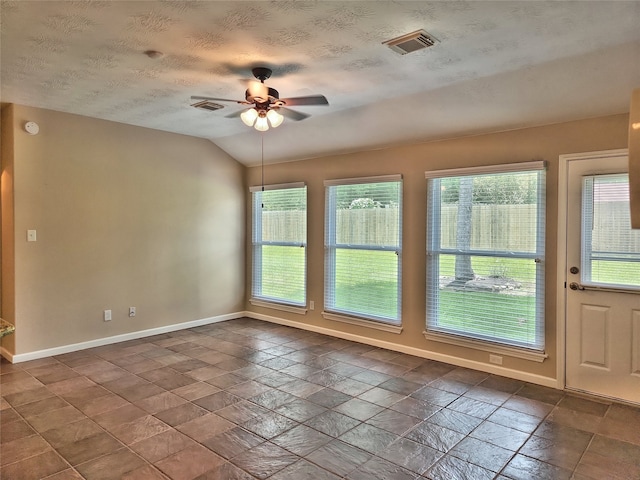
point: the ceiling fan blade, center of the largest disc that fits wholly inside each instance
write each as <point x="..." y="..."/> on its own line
<point x="213" y="99"/>
<point x="292" y="114"/>
<point x="309" y="100"/>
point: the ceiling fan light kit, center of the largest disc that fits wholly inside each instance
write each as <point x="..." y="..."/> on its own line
<point x="267" y="108"/>
<point x="249" y="117"/>
<point x="258" y="119"/>
<point x="275" y="119"/>
<point x="261" y="124"/>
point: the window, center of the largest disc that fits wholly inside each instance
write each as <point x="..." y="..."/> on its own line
<point x="485" y="255"/>
<point x="363" y="230"/>
<point x="279" y="240"/>
<point x="610" y="249"/>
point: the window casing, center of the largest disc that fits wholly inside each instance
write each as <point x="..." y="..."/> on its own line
<point x="363" y="248"/>
<point x="485" y="254"/>
<point x="279" y="244"/>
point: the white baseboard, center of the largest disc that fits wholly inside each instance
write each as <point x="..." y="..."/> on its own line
<point x="49" y="352"/>
<point x="460" y="362"/>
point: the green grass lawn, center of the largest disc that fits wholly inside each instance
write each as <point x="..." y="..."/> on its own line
<point x="365" y="283"/>
<point x="283" y="272"/>
<point x="497" y="315"/>
<point x="519" y="269"/>
<point x="618" y="273"/>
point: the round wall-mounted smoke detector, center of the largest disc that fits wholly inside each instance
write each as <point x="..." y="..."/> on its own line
<point x="31" y="128"/>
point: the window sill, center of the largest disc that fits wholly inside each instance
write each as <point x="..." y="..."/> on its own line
<point x="361" y="322"/>
<point x="486" y="347"/>
<point x="278" y="306"/>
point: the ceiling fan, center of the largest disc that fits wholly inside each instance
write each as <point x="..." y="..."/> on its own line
<point x="267" y="108"/>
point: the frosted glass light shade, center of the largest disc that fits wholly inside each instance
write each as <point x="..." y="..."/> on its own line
<point x="249" y="117"/>
<point x="275" y="119"/>
<point x="261" y="124"/>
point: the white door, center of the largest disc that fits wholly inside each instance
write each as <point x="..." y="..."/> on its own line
<point x="602" y="281"/>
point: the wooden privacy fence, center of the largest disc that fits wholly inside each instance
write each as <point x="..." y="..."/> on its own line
<point x="368" y="226"/>
<point x="284" y="226"/>
<point x="612" y="232"/>
<point x="510" y="228"/>
<point x="495" y="227"/>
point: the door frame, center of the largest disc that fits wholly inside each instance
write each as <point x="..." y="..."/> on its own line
<point x="561" y="300"/>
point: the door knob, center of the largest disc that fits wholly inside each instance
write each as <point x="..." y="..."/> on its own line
<point x="575" y="286"/>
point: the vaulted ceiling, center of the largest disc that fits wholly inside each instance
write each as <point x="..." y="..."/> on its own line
<point x="496" y="66"/>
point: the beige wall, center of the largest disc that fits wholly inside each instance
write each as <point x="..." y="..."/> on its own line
<point x="125" y="216"/>
<point x="542" y="143"/>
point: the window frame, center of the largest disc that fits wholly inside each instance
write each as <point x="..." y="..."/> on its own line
<point x="256" y="297"/>
<point x="533" y="351"/>
<point x="332" y="246"/>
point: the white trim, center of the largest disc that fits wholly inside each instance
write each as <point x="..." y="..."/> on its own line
<point x="361" y="322"/>
<point x="486" y="347"/>
<point x="561" y="268"/>
<point x="357" y="180"/>
<point x="278" y="306"/>
<point x="591" y="395"/>
<point x="99" y="342"/>
<point x="619" y="152"/>
<point x="499" y="168"/>
<point x="278" y="186"/>
<point x="563" y="192"/>
<point x="460" y="362"/>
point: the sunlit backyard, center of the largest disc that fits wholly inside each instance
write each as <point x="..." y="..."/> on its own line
<point x="512" y="308"/>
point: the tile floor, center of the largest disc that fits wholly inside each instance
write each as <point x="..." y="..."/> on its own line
<point x="245" y="399"/>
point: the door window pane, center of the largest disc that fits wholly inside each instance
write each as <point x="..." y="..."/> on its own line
<point x="610" y="248"/>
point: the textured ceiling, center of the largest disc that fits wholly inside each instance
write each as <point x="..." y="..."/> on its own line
<point x="497" y="65"/>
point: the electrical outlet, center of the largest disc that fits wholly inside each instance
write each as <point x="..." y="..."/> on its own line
<point x="497" y="359"/>
<point x="132" y="311"/>
<point x="312" y="305"/>
<point x="106" y="315"/>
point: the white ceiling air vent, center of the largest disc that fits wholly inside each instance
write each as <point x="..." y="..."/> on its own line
<point x="208" y="105"/>
<point x="411" y="42"/>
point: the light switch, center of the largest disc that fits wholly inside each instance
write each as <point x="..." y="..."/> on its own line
<point x="31" y="235"/>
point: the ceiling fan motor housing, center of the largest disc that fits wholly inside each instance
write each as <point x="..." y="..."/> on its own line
<point x="273" y="97"/>
<point x="261" y="73"/>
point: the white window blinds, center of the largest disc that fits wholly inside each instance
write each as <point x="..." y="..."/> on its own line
<point x="610" y="249"/>
<point x="485" y="254"/>
<point x="279" y="241"/>
<point x="363" y="241"/>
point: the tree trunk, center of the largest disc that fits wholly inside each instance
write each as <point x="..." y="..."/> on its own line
<point x="463" y="269"/>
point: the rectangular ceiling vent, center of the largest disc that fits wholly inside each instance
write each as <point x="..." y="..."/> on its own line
<point x="208" y="105"/>
<point x="411" y="42"/>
